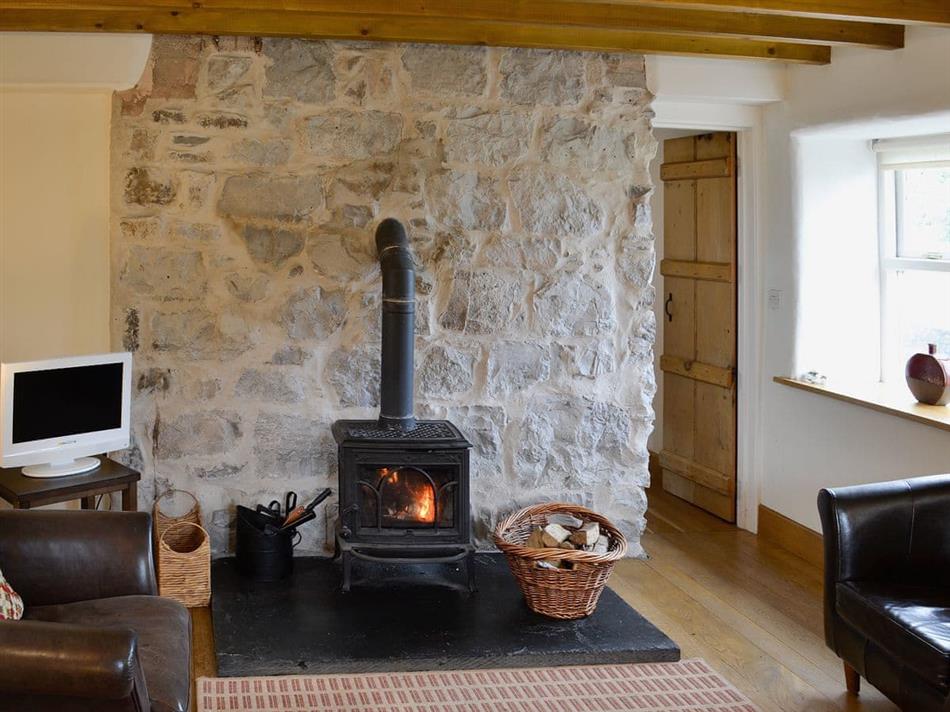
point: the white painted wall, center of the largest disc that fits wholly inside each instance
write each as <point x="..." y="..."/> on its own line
<point x="838" y="317"/>
<point x="67" y="60"/>
<point x="54" y="223"/>
<point x="55" y="111"/>
<point x="809" y="441"/>
<point x="709" y="81"/>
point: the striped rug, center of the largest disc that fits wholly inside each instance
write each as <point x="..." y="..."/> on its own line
<point x="654" y="687"/>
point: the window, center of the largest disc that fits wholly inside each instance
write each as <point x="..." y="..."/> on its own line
<point x="915" y="249"/>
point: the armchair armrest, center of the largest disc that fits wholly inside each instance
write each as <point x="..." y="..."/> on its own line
<point x="53" y="557"/>
<point x="48" y="660"/>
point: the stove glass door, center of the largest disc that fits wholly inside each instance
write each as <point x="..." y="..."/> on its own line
<point x="408" y="497"/>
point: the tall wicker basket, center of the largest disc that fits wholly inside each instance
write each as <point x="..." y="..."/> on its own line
<point x="162" y="521"/>
<point x="558" y="593"/>
<point x="184" y="568"/>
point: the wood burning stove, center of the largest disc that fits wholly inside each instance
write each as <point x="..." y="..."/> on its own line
<point x="404" y="484"/>
<point x="404" y="495"/>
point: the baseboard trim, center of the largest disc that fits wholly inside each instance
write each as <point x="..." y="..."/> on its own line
<point x="789" y="534"/>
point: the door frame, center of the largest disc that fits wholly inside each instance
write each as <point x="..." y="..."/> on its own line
<point x="746" y="122"/>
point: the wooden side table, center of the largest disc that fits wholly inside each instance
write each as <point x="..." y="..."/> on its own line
<point x="25" y="492"/>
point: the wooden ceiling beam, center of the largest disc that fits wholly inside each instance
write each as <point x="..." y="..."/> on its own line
<point x="642" y="18"/>
<point x="922" y="12"/>
<point x="397" y="28"/>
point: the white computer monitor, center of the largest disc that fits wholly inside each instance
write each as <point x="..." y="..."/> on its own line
<point x="55" y="413"/>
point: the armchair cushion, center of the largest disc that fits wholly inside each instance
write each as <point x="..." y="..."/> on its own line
<point x="163" y="630"/>
<point x="11" y="605"/>
<point x="911" y="622"/>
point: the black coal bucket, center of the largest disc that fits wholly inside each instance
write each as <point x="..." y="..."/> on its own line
<point x="263" y="555"/>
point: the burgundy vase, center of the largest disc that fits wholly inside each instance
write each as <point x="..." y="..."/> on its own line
<point x="928" y="377"/>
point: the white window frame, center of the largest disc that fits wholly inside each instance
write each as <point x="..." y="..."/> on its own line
<point x="894" y="155"/>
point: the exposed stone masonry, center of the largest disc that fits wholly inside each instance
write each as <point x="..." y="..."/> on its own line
<point x="248" y="179"/>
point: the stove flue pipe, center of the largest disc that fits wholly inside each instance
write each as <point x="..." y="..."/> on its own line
<point x="399" y="316"/>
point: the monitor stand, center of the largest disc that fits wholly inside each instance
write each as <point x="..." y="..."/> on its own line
<point x="62" y="469"/>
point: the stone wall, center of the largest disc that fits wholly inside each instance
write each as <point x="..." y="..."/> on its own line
<point x="248" y="177"/>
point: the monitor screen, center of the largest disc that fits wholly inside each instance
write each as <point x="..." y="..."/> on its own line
<point x="66" y="401"/>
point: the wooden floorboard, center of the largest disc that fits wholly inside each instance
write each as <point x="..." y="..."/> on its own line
<point x="203" y="661"/>
<point x="751" y="609"/>
<point x="748" y="607"/>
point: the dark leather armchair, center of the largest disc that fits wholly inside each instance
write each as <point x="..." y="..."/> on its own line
<point x="887" y="587"/>
<point x="94" y="635"/>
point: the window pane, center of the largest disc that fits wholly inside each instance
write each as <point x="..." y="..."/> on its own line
<point x="924" y="213"/>
<point x="919" y="315"/>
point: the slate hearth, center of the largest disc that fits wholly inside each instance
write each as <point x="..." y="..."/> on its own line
<point x="410" y="618"/>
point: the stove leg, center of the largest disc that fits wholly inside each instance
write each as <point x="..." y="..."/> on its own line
<point x="470" y="567"/>
<point x="347" y="570"/>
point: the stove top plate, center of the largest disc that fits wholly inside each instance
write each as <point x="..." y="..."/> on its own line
<point x="435" y="432"/>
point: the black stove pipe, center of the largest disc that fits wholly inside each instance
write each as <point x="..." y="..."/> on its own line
<point x="399" y="316"/>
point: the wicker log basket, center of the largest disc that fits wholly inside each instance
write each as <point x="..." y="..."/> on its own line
<point x="161" y="521"/>
<point x="184" y="564"/>
<point x="562" y="593"/>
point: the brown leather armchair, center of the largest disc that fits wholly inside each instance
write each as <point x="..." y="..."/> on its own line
<point x="95" y="635"/>
<point x="887" y="587"/>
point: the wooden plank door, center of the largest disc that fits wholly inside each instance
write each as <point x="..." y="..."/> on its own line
<point x="699" y="342"/>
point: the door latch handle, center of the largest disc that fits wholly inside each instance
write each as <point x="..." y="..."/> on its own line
<point x="666" y="307"/>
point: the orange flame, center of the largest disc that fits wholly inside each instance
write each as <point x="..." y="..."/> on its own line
<point x="425" y="507"/>
<point x="421" y="507"/>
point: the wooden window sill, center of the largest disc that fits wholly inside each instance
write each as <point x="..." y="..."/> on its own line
<point x="884" y="398"/>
